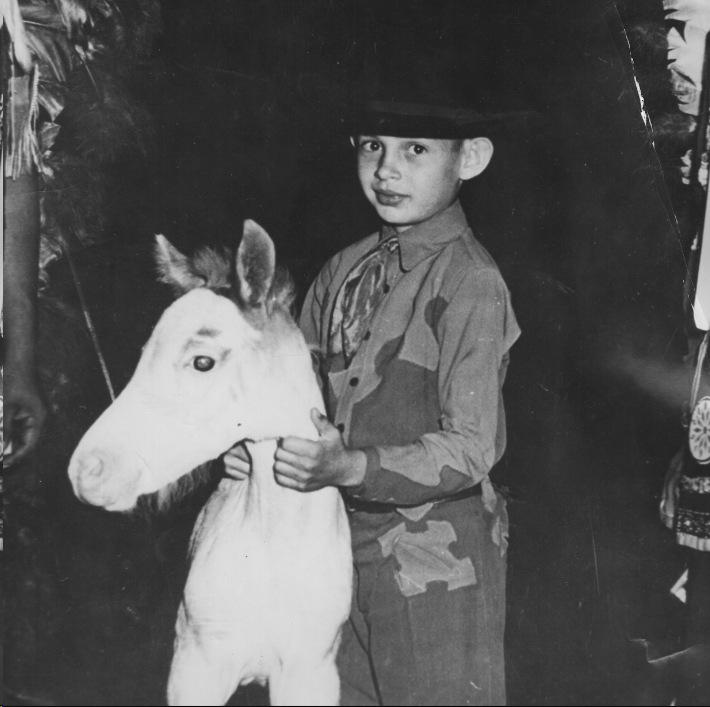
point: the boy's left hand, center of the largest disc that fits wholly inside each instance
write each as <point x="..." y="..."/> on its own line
<point x="309" y="465"/>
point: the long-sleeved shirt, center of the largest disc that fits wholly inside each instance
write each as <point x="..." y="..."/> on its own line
<point x="422" y="395"/>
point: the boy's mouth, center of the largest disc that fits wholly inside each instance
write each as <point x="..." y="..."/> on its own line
<point x="385" y="197"/>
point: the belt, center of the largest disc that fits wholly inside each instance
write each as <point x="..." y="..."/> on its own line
<point x="354" y="504"/>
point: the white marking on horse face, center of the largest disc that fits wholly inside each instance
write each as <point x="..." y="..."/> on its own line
<point x="187" y="402"/>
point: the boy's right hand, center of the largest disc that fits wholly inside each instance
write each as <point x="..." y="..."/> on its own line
<point x="237" y="462"/>
<point x="24" y="414"/>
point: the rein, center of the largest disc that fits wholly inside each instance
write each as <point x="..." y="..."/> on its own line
<point x="90" y="324"/>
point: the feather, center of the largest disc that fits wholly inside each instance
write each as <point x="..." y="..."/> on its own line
<point x="23" y="144"/>
<point x="52" y="96"/>
<point x="11" y="18"/>
<point x="47" y="40"/>
<point x="686" y="48"/>
<point x="693" y="11"/>
<point x="685" y="55"/>
<point x="74" y="14"/>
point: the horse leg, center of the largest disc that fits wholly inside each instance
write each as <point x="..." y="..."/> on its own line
<point x="300" y="683"/>
<point x="202" y="672"/>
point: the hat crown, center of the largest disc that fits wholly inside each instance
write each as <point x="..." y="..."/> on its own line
<point x="420" y="84"/>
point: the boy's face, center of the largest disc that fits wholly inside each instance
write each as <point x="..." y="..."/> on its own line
<point x="409" y="180"/>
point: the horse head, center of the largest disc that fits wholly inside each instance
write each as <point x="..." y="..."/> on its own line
<point x="225" y="362"/>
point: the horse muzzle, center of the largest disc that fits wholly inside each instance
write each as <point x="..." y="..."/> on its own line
<point x="99" y="480"/>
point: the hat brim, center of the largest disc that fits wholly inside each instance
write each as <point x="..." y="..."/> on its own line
<point x="417" y="120"/>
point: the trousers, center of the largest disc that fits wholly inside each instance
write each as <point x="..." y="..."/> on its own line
<point x="428" y="615"/>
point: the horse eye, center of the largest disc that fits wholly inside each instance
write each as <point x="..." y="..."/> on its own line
<point x="203" y="363"/>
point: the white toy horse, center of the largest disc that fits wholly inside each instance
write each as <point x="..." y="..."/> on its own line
<point x="269" y="584"/>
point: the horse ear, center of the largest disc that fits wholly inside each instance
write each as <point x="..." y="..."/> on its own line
<point x="174" y="268"/>
<point x="256" y="259"/>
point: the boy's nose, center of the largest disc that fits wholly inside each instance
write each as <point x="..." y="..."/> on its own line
<point x="386" y="168"/>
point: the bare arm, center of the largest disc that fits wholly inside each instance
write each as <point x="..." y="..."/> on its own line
<point x="24" y="411"/>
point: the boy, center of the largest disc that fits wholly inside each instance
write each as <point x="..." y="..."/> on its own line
<point x="414" y="325"/>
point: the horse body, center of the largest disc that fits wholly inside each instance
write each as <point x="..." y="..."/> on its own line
<point x="270" y="568"/>
<point x="287" y="590"/>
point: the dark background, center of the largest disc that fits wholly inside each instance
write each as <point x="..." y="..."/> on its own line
<point x="248" y="101"/>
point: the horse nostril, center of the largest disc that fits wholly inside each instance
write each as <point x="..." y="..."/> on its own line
<point x="92" y="468"/>
<point x="90" y="472"/>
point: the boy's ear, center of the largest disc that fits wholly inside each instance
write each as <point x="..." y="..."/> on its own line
<point x="476" y="154"/>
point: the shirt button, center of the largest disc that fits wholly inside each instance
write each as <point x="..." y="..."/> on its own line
<point x="341" y="427"/>
<point x="354" y="381"/>
<point x="386" y="288"/>
<point x="366" y="335"/>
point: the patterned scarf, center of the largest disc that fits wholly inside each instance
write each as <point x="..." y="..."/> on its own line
<point x="361" y="293"/>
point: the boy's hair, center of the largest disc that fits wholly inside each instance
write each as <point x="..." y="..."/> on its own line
<point x="457" y="144"/>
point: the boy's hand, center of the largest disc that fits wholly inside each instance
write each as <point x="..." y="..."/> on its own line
<point x="237" y="462"/>
<point x="308" y="465"/>
<point x="23" y="417"/>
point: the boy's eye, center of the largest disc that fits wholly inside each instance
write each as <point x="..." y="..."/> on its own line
<point x="417" y="149"/>
<point x="369" y="145"/>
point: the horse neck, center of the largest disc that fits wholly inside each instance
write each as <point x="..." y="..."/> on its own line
<point x="285" y="390"/>
<point x="284" y="393"/>
<point x="266" y="499"/>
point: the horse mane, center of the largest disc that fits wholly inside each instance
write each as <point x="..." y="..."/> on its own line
<point x="215" y="266"/>
<point x="166" y="498"/>
<point x="283" y="289"/>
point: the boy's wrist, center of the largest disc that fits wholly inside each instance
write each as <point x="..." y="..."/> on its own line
<point x="355" y="467"/>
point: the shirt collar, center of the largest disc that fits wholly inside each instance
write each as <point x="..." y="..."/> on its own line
<point x="429" y="237"/>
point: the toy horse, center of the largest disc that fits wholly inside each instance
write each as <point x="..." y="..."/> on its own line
<point x="269" y="584"/>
